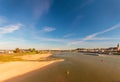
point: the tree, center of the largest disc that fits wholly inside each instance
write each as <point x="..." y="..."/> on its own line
<point x="30" y="50"/>
<point x="33" y="50"/>
<point x="17" y="50"/>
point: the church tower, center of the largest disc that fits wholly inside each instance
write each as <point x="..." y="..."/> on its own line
<point x="118" y="47"/>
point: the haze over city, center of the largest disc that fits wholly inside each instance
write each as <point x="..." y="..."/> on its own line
<point x="59" y="24"/>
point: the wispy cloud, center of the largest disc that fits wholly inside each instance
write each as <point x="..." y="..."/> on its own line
<point x="84" y="4"/>
<point x="46" y="39"/>
<point x="68" y="35"/>
<point x="10" y="28"/>
<point x="92" y="36"/>
<point x="102" y="44"/>
<point x="104" y="38"/>
<point x="88" y="2"/>
<point x="41" y="7"/>
<point x="47" y="29"/>
<point x="77" y="20"/>
<point x="2" y="20"/>
<point x="89" y="37"/>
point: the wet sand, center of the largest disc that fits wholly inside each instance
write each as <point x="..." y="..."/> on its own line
<point x="76" y="68"/>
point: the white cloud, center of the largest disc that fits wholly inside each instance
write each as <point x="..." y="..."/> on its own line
<point x="88" y="2"/>
<point x="77" y="20"/>
<point x="50" y="39"/>
<point x="68" y="35"/>
<point x="92" y="36"/>
<point x="89" y="37"/>
<point x="10" y="28"/>
<point x="101" y="44"/>
<point x="105" y="38"/>
<point x="41" y="7"/>
<point x="47" y="29"/>
<point x="84" y="4"/>
<point x="2" y="20"/>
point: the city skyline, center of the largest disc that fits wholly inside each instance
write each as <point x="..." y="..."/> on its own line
<point x="59" y="24"/>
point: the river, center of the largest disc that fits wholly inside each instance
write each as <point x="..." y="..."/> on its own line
<point x="76" y="67"/>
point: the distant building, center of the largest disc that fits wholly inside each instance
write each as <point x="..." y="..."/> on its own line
<point x="10" y="51"/>
<point x="100" y="50"/>
<point x="2" y="51"/>
<point x="118" y="47"/>
<point x="114" y="48"/>
<point x="6" y="51"/>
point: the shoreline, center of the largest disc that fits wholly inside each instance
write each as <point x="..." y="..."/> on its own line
<point x="13" y="69"/>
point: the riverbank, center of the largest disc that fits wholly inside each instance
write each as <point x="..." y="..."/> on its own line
<point x="16" y="68"/>
<point x="77" y="67"/>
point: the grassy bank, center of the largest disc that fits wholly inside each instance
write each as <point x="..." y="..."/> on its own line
<point x="25" y="56"/>
<point x="8" y="58"/>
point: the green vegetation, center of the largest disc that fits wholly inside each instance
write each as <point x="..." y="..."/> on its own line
<point x="14" y="56"/>
<point x="18" y="53"/>
<point x="17" y="50"/>
<point x="8" y="58"/>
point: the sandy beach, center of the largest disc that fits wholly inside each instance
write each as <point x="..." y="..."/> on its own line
<point x="76" y="67"/>
<point x="12" y="69"/>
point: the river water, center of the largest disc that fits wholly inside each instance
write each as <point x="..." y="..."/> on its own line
<point x="77" y="67"/>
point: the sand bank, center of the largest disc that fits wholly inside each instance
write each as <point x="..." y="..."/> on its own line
<point x="12" y="69"/>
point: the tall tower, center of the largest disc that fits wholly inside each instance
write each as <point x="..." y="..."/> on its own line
<point x="118" y="47"/>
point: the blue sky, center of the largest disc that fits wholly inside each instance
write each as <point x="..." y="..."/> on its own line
<point x="59" y="24"/>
